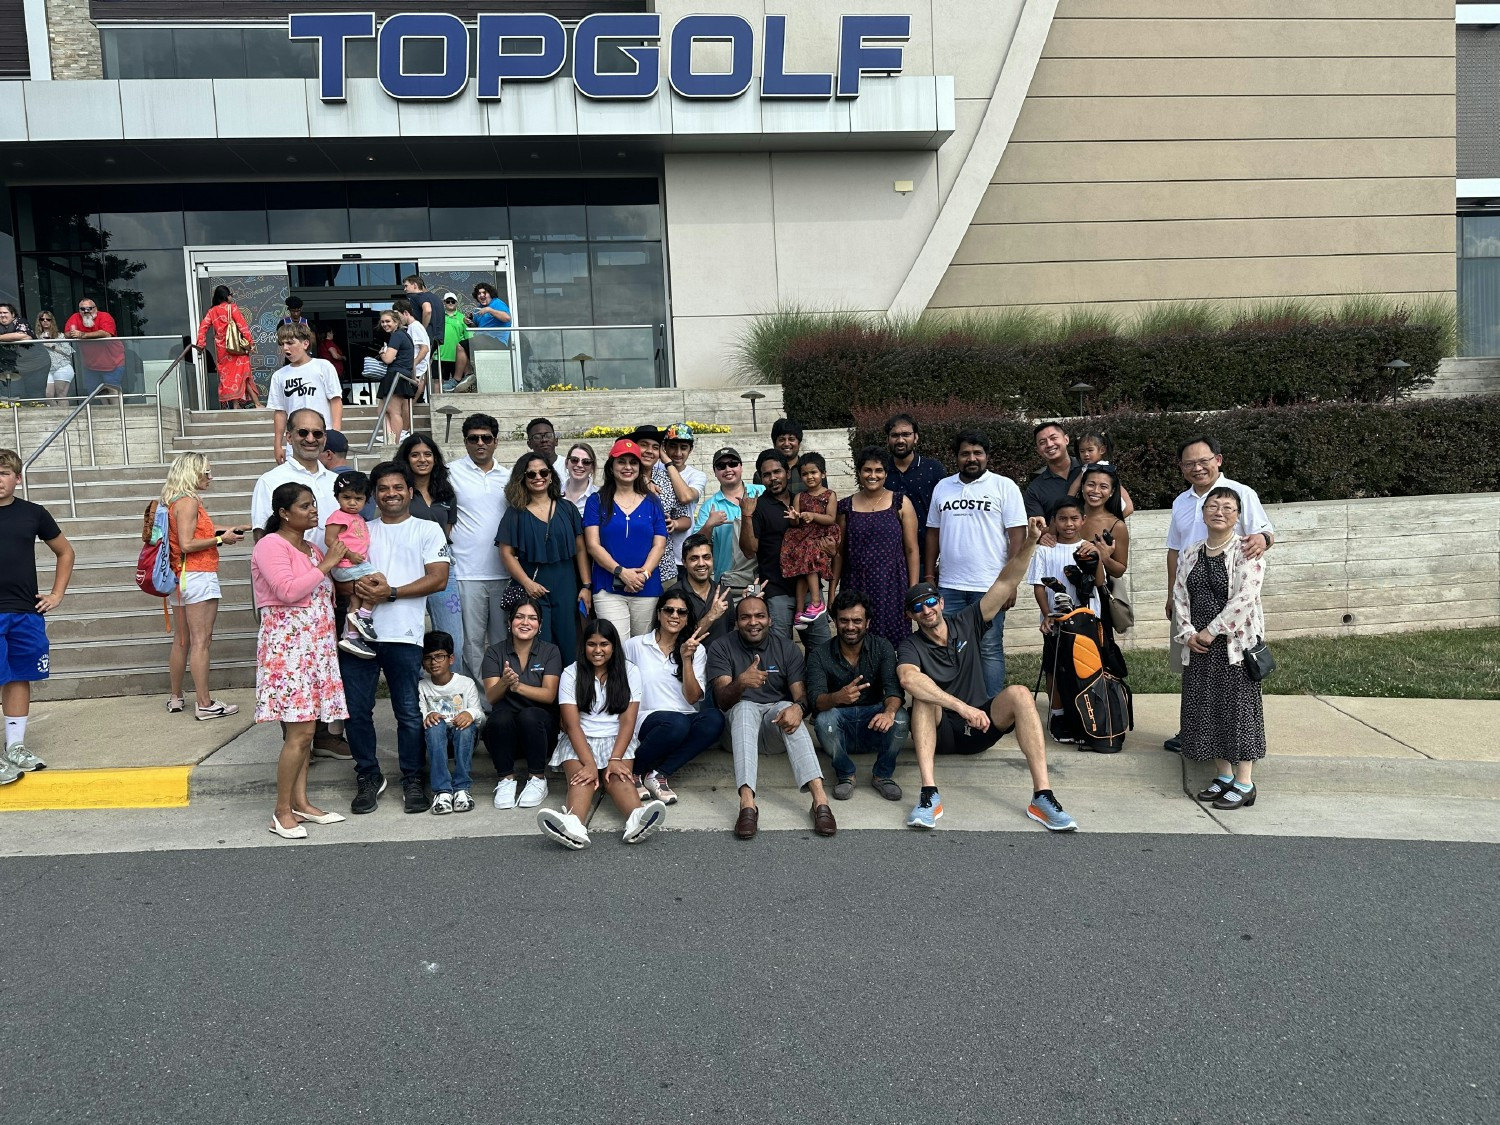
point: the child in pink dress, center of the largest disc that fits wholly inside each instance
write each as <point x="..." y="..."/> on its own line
<point x="348" y="527"/>
<point x="808" y="548"/>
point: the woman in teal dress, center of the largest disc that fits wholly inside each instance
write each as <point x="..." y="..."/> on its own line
<point x="541" y="545"/>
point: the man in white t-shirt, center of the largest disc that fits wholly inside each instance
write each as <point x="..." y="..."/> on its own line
<point x="976" y="522"/>
<point x="410" y="557"/>
<point x="305" y="466"/>
<point x="421" y="341"/>
<point x="1200" y="460"/>
<point x="479" y="484"/>
<point x="304" y="381"/>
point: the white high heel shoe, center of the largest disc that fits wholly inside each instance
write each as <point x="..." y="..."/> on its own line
<point x="298" y="833"/>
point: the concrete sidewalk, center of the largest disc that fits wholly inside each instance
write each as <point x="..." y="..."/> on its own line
<point x="128" y="753"/>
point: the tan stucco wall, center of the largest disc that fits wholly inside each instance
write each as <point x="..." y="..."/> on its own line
<point x="1188" y="149"/>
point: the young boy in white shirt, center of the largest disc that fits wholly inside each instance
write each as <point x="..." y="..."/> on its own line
<point x="304" y="382"/>
<point x="451" y="716"/>
<point x="1052" y="562"/>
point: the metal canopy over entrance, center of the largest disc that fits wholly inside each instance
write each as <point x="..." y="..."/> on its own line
<point x="343" y="287"/>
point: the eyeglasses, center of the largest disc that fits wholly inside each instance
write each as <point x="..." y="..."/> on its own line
<point x="1222" y="509"/>
<point x="310" y="433"/>
<point x="902" y="434"/>
<point x="543" y="435"/>
<point x="726" y="465"/>
<point x="479" y="439"/>
<point x="926" y="603"/>
<point x="584" y="461"/>
<point x="88" y="308"/>
<point x="538" y="474"/>
<point x="426" y="656"/>
<point x="1200" y="463"/>
<point x="674" y="610"/>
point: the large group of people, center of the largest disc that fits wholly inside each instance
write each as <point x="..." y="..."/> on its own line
<point x="613" y="621"/>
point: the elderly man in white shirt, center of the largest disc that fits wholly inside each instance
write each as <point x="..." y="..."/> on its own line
<point x="479" y="484"/>
<point x="307" y="430"/>
<point x="1200" y="460"/>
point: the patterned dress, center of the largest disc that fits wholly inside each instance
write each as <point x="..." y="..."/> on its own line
<point x="1221" y="706"/>
<point x="809" y="548"/>
<point x="875" y="564"/>
<point x="297" y="675"/>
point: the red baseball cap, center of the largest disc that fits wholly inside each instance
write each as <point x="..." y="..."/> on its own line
<point x="624" y="446"/>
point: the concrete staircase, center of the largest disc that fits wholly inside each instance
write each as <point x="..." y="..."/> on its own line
<point x="109" y="639"/>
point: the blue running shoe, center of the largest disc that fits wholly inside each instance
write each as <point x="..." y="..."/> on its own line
<point x="926" y="813"/>
<point x="1045" y="810"/>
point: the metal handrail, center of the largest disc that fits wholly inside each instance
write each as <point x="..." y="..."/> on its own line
<point x="85" y="408"/>
<point x="385" y="404"/>
<point x="175" y="366"/>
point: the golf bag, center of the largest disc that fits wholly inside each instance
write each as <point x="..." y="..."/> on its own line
<point x="1088" y="680"/>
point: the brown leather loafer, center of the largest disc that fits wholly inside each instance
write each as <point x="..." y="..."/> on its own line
<point x="823" y="822"/>
<point x="746" y="823"/>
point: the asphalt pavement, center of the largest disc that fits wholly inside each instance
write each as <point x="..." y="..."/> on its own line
<point x="874" y="977"/>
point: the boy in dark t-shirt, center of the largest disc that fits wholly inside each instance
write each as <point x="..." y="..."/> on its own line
<point x="952" y="712"/>
<point x="23" y="632"/>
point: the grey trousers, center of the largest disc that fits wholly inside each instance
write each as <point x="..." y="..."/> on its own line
<point x="748" y="722"/>
<point x="484" y="623"/>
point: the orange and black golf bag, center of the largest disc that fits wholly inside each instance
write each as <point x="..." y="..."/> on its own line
<point x="1088" y="680"/>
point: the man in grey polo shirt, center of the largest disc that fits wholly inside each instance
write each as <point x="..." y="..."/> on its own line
<point x="757" y="683"/>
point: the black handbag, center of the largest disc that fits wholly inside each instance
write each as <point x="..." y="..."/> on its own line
<point x="1259" y="663"/>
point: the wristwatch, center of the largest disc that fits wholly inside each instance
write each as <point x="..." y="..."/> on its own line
<point x="617" y="570"/>
<point x="392" y="595"/>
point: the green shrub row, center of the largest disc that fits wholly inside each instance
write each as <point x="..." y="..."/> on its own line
<point x="1329" y="451"/>
<point x="1289" y="355"/>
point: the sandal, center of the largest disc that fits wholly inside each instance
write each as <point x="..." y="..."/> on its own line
<point x="1215" y="790"/>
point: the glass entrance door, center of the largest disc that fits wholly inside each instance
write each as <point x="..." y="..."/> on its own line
<point x="260" y="291"/>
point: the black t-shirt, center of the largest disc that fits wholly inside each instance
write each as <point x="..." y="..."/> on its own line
<point x="723" y="625"/>
<point x="546" y="660"/>
<point x="782" y="661"/>
<point x="1046" y="488"/>
<point x="406" y="352"/>
<point x="441" y="513"/>
<point x="435" y="329"/>
<point x="954" y="667"/>
<point x="770" y="525"/>
<point x="22" y="523"/>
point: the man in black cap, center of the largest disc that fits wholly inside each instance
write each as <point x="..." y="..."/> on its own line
<point x="952" y="712"/>
<point x="719" y="518"/>
<point x="336" y="453"/>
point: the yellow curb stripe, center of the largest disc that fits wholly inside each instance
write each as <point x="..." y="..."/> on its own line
<point x="152" y="787"/>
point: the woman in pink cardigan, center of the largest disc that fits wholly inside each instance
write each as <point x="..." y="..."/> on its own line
<point x="297" y="680"/>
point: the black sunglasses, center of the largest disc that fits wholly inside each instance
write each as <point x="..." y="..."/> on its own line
<point x="726" y="464"/>
<point x="675" y="610"/>
<point x="479" y="439"/>
<point x="311" y="433"/>
<point x="538" y="474"/>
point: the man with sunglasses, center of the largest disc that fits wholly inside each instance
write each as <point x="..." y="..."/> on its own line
<point x="307" y="431"/>
<point x="479" y="485"/>
<point x="453" y="352"/>
<point x="719" y="518"/>
<point x="953" y="712"/>
<point x="105" y="362"/>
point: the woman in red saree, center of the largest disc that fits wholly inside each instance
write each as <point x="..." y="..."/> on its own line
<point x="236" y="387"/>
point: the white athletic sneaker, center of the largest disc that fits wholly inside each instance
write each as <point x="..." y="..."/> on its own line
<point x="505" y="793"/>
<point x="644" y="821"/>
<point x="462" y="802"/>
<point x="534" y="793"/>
<point x="23" y="759"/>
<point x="563" y="828"/>
<point x="442" y="804"/>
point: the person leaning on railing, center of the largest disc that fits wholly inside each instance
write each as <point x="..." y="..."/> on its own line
<point x="59" y="355"/>
<point x="19" y="372"/>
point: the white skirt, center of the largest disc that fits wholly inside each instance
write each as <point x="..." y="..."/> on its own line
<point x="602" y="749"/>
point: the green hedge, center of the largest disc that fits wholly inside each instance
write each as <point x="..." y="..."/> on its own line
<point x="827" y="369"/>
<point x="1332" y="451"/>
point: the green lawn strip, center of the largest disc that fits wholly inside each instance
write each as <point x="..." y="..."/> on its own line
<point x="1441" y="664"/>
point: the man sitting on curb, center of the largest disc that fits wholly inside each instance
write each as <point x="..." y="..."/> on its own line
<point x="757" y="682"/>
<point x="952" y="713"/>
<point x="852" y="683"/>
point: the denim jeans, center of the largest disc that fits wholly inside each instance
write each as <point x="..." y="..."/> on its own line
<point x="670" y="740"/>
<point x="992" y="647"/>
<point x="842" y="729"/>
<point x="402" y="665"/>
<point x="446" y="611"/>
<point x="783" y="608"/>
<point x="438" y="738"/>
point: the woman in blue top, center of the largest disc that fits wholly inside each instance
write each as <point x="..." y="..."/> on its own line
<point x="541" y="547"/>
<point x="625" y="529"/>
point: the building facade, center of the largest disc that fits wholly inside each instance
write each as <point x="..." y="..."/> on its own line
<point x="639" y="208"/>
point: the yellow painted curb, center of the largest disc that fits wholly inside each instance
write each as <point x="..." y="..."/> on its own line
<point x="151" y="787"/>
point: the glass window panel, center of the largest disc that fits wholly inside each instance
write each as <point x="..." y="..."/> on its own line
<point x="226" y="228"/>
<point x="210" y="52"/>
<point x="142" y="230"/>
<point x="58" y="281"/>
<point x="388" y="224"/>
<point x="378" y="273"/>
<point x="310" y="225"/>
<point x="325" y="275"/>
<point x="461" y="224"/>
<point x="629" y="286"/>
<point x="57" y="219"/>
<point x="359" y="58"/>
<point x="147" y="292"/>
<point x="272" y="55"/>
<point x="138" y="52"/>
<point x="1479" y="306"/>
<point x="1481" y="236"/>
<point x="552" y="284"/>
<point x="548" y="209"/>
<point x="422" y="56"/>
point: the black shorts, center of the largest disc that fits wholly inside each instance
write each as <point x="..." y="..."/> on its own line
<point x="954" y="736"/>
<point x="405" y="388"/>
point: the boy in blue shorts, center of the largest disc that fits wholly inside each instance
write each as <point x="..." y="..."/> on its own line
<point x="23" y="631"/>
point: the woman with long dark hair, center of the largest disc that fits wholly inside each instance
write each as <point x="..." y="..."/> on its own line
<point x="878" y="556"/>
<point x="599" y="698"/>
<point x="521" y="674"/>
<point x="672" y="729"/>
<point x="297" y="670"/>
<point x="1103" y="514"/>
<point x="541" y="547"/>
<point x="625" y="528"/>
<point x="433" y="499"/>
<point x="236" y="383"/>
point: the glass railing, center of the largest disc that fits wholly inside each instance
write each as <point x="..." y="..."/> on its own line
<point x="39" y="373"/>
<point x="604" y="356"/>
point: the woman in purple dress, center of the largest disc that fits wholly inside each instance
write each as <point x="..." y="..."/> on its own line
<point x="879" y="555"/>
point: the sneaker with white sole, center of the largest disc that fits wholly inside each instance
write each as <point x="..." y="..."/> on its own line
<point x="442" y="804"/>
<point x="505" y="793"/>
<point x="657" y="786"/>
<point x="563" y="828"/>
<point x="23" y="759"/>
<point x="644" y="821"/>
<point x="926" y="812"/>
<point x="1045" y="810"/>
<point x="215" y="710"/>
<point x="8" y="772"/>
<point x="462" y="800"/>
<point x="641" y="792"/>
<point x="534" y="792"/>
<point x="364" y="626"/>
<point x="355" y="645"/>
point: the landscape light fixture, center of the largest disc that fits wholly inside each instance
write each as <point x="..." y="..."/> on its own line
<point x="1397" y="369"/>
<point x="1081" y="389"/>
<point x="753" y="396"/>
<point x="582" y="358"/>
